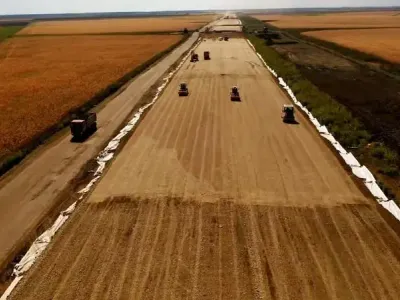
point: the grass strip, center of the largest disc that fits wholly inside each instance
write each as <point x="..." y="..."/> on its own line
<point x="8" y="31"/>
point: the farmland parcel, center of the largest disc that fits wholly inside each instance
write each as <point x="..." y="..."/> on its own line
<point x="119" y="25"/>
<point x="335" y="20"/>
<point x="44" y="78"/>
<point x="381" y="42"/>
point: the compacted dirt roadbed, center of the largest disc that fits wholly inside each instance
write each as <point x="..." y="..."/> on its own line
<point x="213" y="199"/>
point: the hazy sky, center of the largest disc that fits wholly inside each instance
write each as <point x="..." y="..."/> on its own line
<point x="76" y="6"/>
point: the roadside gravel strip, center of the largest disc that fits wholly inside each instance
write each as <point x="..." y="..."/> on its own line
<point x="29" y="192"/>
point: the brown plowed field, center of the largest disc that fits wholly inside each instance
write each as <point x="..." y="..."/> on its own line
<point x="381" y="42"/>
<point x="118" y="25"/>
<point x="57" y="74"/>
<point x="335" y="20"/>
<point x="213" y="199"/>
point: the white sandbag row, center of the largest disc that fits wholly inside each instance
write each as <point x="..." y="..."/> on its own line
<point x="41" y="243"/>
<point x="361" y="172"/>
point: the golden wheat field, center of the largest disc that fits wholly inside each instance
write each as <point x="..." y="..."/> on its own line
<point x="335" y="20"/>
<point x="43" y="78"/>
<point x="191" y="22"/>
<point x="381" y="42"/>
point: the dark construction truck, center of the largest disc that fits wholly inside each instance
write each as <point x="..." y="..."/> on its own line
<point x="83" y="126"/>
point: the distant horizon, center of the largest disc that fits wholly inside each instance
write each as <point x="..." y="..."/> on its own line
<point x="304" y="8"/>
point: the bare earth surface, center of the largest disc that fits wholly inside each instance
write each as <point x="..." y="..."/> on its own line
<point x="227" y="25"/>
<point x="213" y="199"/>
<point x="386" y="42"/>
<point x="30" y="190"/>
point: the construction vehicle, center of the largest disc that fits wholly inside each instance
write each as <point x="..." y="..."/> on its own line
<point x="288" y="113"/>
<point x="83" y="126"/>
<point x="194" y="57"/>
<point x="235" y="94"/>
<point x="206" y="55"/>
<point x="183" y="90"/>
<point x="226" y="38"/>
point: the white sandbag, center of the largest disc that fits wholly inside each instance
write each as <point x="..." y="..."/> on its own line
<point x="376" y="190"/>
<point x="392" y="207"/>
<point x="303" y="108"/>
<point x="282" y="82"/>
<point x="323" y="130"/>
<point x="363" y="173"/>
<point x="105" y="157"/>
<point x="329" y="137"/>
<point x="315" y="122"/>
<point x="70" y="209"/>
<point x="339" y="147"/>
<point x="251" y="45"/>
<point x="112" y="146"/>
<point x="350" y="159"/>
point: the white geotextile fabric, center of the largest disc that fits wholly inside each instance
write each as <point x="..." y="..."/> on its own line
<point x="339" y="148"/>
<point x="358" y="170"/>
<point x="315" y="122"/>
<point x="41" y="243"/>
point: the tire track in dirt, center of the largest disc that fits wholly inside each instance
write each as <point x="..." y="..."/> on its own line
<point x="131" y="232"/>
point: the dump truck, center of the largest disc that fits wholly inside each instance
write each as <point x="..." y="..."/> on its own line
<point x="288" y="113"/>
<point x="183" y="90"/>
<point x="226" y="38"/>
<point x="194" y="57"/>
<point x="235" y="94"/>
<point x="83" y="126"/>
<point x="206" y="55"/>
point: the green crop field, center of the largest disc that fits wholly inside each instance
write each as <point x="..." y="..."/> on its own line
<point x="8" y="31"/>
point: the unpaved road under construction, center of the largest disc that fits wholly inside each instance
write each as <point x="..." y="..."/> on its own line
<point x="213" y="199"/>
